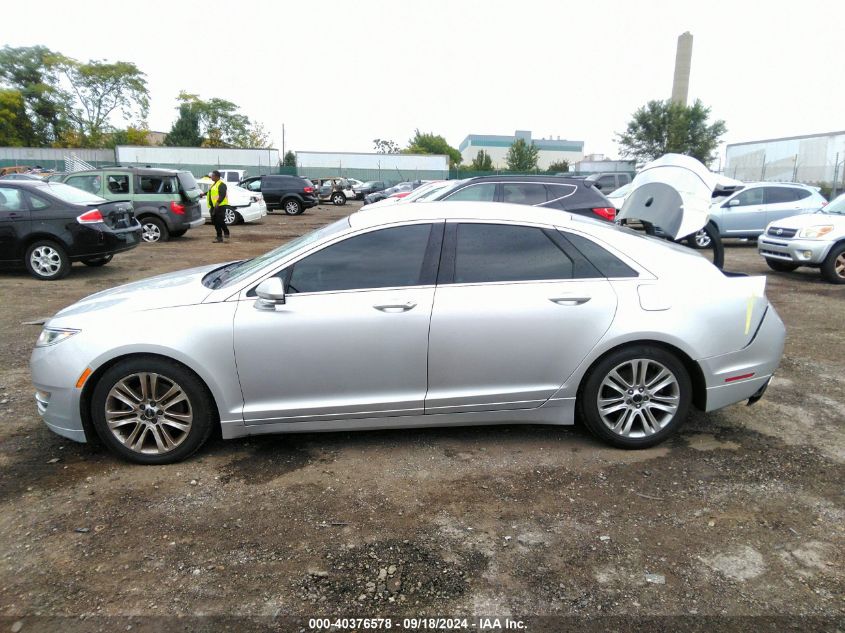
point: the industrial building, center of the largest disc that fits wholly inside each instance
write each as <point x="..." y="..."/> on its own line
<point x="365" y="166"/>
<point x="551" y="150"/>
<point x="814" y="159"/>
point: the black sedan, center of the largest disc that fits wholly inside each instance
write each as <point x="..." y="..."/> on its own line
<point x="46" y="226"/>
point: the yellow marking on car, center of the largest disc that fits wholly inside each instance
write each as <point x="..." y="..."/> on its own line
<point x="748" y="312"/>
<point x="83" y="378"/>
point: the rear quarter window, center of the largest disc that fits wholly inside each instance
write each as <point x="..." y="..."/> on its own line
<point x="605" y="262"/>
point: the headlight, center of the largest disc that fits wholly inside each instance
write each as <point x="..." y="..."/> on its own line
<point x="815" y="231"/>
<point x="51" y="336"/>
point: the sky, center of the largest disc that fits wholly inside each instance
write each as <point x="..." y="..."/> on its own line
<point x="337" y="75"/>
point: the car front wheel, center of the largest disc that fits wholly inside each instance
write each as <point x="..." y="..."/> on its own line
<point x="151" y="410"/>
<point x="47" y="261"/>
<point x="636" y="397"/>
<point x="833" y="267"/>
<point x="338" y="199"/>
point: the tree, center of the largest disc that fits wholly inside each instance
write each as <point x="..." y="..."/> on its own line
<point x="662" y="127"/>
<point x="185" y="131"/>
<point x="104" y="89"/>
<point x="221" y="123"/>
<point x="383" y="146"/>
<point x="482" y="162"/>
<point x="34" y="72"/>
<point x="15" y="127"/>
<point x="289" y="159"/>
<point x="560" y="165"/>
<point x="433" y="144"/>
<point x="522" y="156"/>
<point x="130" y="136"/>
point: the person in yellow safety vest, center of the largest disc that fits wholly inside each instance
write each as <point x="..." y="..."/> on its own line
<point x="218" y="204"/>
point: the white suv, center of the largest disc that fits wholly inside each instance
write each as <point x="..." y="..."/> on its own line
<point x="815" y="239"/>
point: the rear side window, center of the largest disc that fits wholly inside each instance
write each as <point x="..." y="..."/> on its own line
<point x="158" y="184"/>
<point x="117" y="183"/>
<point x="37" y="203"/>
<point x="485" y="192"/>
<point x="524" y="193"/>
<point x="232" y="176"/>
<point x="556" y="192"/>
<point x="606" y="183"/>
<point x="499" y="252"/>
<point x="605" y="262"/>
<point x="775" y="195"/>
<point x="801" y="194"/>
<point x="386" y="258"/>
<point x="11" y="199"/>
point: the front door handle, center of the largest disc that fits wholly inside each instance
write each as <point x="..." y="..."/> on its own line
<point x="569" y="301"/>
<point x="396" y="307"/>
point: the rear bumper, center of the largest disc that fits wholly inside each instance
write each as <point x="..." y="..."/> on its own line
<point x="794" y="251"/>
<point x="95" y="241"/>
<point x="744" y="374"/>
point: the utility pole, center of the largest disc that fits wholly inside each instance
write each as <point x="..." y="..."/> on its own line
<point x="795" y="168"/>
<point x="283" y="143"/>
<point x="835" y="177"/>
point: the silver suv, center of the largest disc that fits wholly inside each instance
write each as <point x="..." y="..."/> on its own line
<point x="814" y="239"/>
<point x="748" y="212"/>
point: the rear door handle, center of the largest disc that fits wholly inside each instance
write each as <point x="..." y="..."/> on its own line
<point x="569" y="301"/>
<point x="396" y="307"/>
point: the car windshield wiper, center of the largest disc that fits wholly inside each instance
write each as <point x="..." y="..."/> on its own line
<point x="218" y="277"/>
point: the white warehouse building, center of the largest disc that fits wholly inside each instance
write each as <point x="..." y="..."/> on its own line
<point x="366" y="166"/>
<point x="551" y="150"/>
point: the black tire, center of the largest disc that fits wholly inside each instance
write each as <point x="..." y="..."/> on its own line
<point x="781" y="267"/>
<point x="148" y="430"/>
<point x="633" y="403"/>
<point x="292" y="206"/>
<point x="833" y="267"/>
<point x="178" y="233"/>
<point x="47" y="260"/>
<point x="338" y="199"/>
<point x="96" y="262"/>
<point x="154" y="230"/>
<point x="715" y="245"/>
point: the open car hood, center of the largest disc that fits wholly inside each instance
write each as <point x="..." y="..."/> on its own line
<point x="673" y="193"/>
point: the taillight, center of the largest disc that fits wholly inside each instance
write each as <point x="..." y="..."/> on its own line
<point x="90" y="217"/>
<point x="178" y="209"/>
<point x="308" y="189"/>
<point x="608" y="213"/>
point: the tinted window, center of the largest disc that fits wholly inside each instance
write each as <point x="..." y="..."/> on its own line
<point x="117" y="183"/>
<point x="775" y="195"/>
<point x="802" y="193"/>
<point x="158" y="184"/>
<point x="606" y="183"/>
<point x="38" y="204"/>
<point x="608" y="264"/>
<point x="11" y="199"/>
<point x="380" y="259"/>
<point x="524" y="193"/>
<point x="556" y="192"/>
<point x="497" y="252"/>
<point x="88" y="183"/>
<point x="750" y="196"/>
<point x="485" y="192"/>
<point x="232" y="176"/>
<point x="255" y="185"/>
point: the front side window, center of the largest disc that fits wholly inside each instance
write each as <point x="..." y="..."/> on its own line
<point x="524" y="193"/>
<point x="478" y="193"/>
<point x="11" y="199"/>
<point x="386" y="258"/>
<point x="500" y="252"/>
<point x="749" y="197"/>
<point x="88" y="183"/>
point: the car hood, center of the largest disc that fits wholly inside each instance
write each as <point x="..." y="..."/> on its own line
<point x="673" y="192"/>
<point x="811" y="219"/>
<point x="180" y="288"/>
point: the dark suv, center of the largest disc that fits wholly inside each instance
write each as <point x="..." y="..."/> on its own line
<point x="575" y="195"/>
<point x="291" y="194"/>
<point x="166" y="201"/>
<point x="46" y="226"/>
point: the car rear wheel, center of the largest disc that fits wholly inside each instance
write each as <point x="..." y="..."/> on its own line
<point x="230" y="217"/>
<point x="833" y="267"/>
<point x="152" y="410"/>
<point x="700" y="239"/>
<point x="98" y="261"/>
<point x="292" y="207"/>
<point x="781" y="267"/>
<point x="338" y="199"/>
<point x="636" y="397"/>
<point x="47" y="261"/>
<point x="154" y="230"/>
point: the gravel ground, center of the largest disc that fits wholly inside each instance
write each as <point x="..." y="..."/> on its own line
<point x="740" y="514"/>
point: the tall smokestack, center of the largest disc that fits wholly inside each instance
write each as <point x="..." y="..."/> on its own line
<point x="683" y="61"/>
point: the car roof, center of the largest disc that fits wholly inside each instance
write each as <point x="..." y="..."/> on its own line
<point x="143" y="171"/>
<point x="14" y="182"/>
<point x="570" y="180"/>
<point x="464" y="210"/>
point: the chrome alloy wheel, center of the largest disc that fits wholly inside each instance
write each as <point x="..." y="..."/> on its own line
<point x="702" y="240"/>
<point x="149" y="413"/>
<point x="45" y="261"/>
<point x="839" y="265"/>
<point x="151" y="232"/>
<point x="638" y="398"/>
<point x="230" y="217"/>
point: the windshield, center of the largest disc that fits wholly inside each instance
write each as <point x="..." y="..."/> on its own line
<point x="66" y="193"/>
<point x="837" y="207"/>
<point x="234" y="272"/>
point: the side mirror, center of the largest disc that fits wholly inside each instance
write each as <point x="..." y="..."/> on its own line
<point x="271" y="293"/>
<point x="733" y="203"/>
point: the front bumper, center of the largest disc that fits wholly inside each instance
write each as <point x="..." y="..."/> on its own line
<point x="55" y="370"/>
<point x="796" y="251"/>
<point x="755" y="363"/>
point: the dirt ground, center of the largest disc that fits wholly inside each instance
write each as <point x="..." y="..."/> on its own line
<point x="741" y="514"/>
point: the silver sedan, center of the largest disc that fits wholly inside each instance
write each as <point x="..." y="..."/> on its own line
<point x="446" y="314"/>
